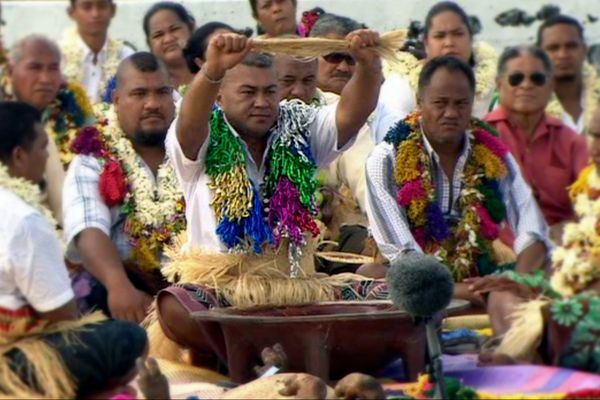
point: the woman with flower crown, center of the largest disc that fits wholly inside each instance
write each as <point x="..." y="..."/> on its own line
<point x="442" y="183"/>
<point x="447" y="32"/>
<point x="46" y="350"/>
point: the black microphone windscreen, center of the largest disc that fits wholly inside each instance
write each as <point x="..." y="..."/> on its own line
<point x="420" y="284"/>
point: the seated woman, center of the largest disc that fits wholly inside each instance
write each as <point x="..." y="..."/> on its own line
<point x="168" y="26"/>
<point x="45" y="350"/>
<point x="550" y="154"/>
<point x="447" y="32"/>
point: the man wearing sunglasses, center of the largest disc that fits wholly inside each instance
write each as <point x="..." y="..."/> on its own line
<point x="550" y="154"/>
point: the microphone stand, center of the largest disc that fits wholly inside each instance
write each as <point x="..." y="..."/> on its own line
<point x="432" y="327"/>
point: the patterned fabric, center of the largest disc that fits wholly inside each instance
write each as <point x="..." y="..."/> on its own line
<point x="389" y="222"/>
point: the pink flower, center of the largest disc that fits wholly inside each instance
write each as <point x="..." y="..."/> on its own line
<point x="410" y="191"/>
<point x="491" y="142"/>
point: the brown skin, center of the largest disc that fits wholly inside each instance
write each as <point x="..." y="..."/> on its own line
<point x="567" y="50"/>
<point x="167" y="37"/>
<point x="448" y="36"/>
<point x="359" y="386"/>
<point x="525" y="103"/>
<point x="297" y="78"/>
<point x="276" y="17"/>
<point x="36" y="77"/>
<point x="29" y="163"/>
<point x="594" y="139"/>
<point x="143" y="103"/>
<point x="225" y="52"/>
<point x="334" y="77"/>
<point x="93" y="19"/>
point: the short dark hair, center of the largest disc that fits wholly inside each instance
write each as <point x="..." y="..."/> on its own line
<point x="446" y="6"/>
<point x="182" y="13"/>
<point x="331" y="23"/>
<point x="142" y="61"/>
<point x="255" y="10"/>
<point x="450" y="63"/>
<point x="73" y="2"/>
<point x="17" y="127"/>
<point x="516" y="51"/>
<point x="198" y="43"/>
<point x="258" y="60"/>
<point x="559" y="19"/>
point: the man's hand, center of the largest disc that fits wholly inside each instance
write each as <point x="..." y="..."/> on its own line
<point x="461" y="291"/>
<point x="362" y="42"/>
<point x="224" y="52"/>
<point x="153" y="384"/>
<point x="495" y="283"/>
<point x="128" y="303"/>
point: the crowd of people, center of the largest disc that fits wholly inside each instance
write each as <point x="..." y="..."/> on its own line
<point x="140" y="187"/>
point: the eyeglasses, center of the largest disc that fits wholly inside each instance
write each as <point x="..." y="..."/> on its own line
<point x="537" y="78"/>
<point x="337" y="58"/>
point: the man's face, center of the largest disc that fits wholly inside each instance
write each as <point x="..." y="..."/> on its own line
<point x="144" y="106"/>
<point x="448" y="36"/>
<point x="36" y="77"/>
<point x="92" y="16"/>
<point x="446" y="105"/>
<point x="525" y="86"/>
<point x="297" y="78"/>
<point x="335" y="69"/>
<point x="168" y="36"/>
<point x="277" y="17"/>
<point x="250" y="99"/>
<point x="30" y="163"/>
<point x="594" y="135"/>
<point x="566" y="50"/>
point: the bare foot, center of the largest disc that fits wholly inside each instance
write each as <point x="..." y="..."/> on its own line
<point x="272" y="357"/>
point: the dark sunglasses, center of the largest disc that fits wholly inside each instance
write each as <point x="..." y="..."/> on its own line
<point x="537" y="78"/>
<point x="337" y="58"/>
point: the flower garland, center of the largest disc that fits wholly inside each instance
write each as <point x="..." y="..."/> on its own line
<point x="577" y="261"/>
<point x="73" y="54"/>
<point x="154" y="214"/>
<point x="287" y="208"/>
<point x="66" y="115"/>
<point x="591" y="89"/>
<point x="465" y="248"/>
<point x="29" y="192"/>
<point x="486" y="62"/>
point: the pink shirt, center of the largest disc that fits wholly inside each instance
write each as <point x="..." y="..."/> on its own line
<point x="550" y="162"/>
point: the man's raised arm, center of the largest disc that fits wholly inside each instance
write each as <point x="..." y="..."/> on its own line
<point x="359" y="97"/>
<point x="224" y="52"/>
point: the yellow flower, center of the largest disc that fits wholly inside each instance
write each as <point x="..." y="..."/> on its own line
<point x="495" y="168"/>
<point x="416" y="212"/>
<point x="407" y="161"/>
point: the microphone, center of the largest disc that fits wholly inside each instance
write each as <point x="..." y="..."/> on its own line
<point x="423" y="286"/>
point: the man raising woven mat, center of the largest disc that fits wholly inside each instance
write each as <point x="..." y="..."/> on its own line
<point x="247" y="171"/>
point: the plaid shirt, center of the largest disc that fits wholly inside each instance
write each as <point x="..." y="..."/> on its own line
<point x="390" y="225"/>
<point x="83" y="208"/>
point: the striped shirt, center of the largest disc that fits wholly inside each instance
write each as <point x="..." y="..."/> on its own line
<point x="388" y="220"/>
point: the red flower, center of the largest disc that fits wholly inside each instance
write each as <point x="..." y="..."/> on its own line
<point x="113" y="183"/>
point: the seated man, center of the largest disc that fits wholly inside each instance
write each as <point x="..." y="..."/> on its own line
<point x="122" y="202"/>
<point x="46" y="352"/>
<point x="247" y="171"/>
<point x="549" y="153"/>
<point x="91" y="58"/>
<point x="34" y="77"/>
<point x="435" y="188"/>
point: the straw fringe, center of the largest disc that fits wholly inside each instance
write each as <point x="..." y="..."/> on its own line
<point x="391" y="42"/>
<point x="160" y="345"/>
<point x="522" y="340"/>
<point x="53" y="379"/>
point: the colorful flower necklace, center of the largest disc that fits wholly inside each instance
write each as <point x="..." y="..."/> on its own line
<point x="73" y="54"/>
<point x="284" y="206"/>
<point x="155" y="214"/>
<point x="465" y="248"/>
<point x="64" y="117"/>
<point x="29" y="192"/>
